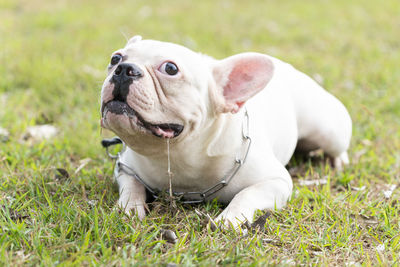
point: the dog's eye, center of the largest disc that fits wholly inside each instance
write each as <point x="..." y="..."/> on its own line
<point x="169" y="68"/>
<point x="115" y="59"/>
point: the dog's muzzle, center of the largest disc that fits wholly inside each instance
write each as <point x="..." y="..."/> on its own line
<point x="164" y="130"/>
<point x="122" y="78"/>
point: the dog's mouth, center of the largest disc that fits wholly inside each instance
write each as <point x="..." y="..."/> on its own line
<point x="163" y="130"/>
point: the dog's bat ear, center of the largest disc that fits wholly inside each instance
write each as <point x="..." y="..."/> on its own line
<point x="240" y="77"/>
<point x="134" y="39"/>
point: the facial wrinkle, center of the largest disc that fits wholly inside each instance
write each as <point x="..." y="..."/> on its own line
<point x="157" y="86"/>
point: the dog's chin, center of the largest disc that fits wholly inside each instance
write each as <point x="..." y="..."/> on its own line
<point x="123" y="120"/>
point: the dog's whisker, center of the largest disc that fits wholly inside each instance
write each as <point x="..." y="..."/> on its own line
<point x="124" y="34"/>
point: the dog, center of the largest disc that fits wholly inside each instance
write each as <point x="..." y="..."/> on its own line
<point x="230" y="126"/>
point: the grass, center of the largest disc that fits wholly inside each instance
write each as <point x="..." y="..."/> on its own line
<point x="53" y="57"/>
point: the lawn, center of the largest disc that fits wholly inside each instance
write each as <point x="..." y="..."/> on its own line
<point x="57" y="195"/>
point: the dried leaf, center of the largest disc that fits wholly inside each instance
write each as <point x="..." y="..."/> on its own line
<point x="313" y="182"/>
<point x="272" y="241"/>
<point x="83" y="163"/>
<point x="61" y="174"/>
<point x="207" y="220"/>
<point x="362" y="188"/>
<point x="260" y="222"/>
<point x="369" y="219"/>
<point x="213" y="225"/>
<point x="388" y="193"/>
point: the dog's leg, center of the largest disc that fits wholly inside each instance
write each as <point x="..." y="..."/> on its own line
<point x="323" y="122"/>
<point x="271" y="194"/>
<point x="132" y="196"/>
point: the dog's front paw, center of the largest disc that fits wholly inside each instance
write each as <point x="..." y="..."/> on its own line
<point x="131" y="207"/>
<point x="341" y="161"/>
<point x="231" y="219"/>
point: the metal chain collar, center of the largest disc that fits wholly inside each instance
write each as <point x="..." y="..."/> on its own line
<point x="184" y="197"/>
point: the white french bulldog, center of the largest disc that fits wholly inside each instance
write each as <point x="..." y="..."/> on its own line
<point x="210" y="110"/>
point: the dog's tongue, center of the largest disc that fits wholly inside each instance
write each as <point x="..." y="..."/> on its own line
<point x="165" y="133"/>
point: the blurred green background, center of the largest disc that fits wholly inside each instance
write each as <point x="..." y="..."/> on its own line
<point x="54" y="53"/>
<point x="53" y="58"/>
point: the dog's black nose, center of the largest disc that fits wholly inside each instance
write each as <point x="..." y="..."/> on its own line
<point x="123" y="76"/>
<point x="127" y="71"/>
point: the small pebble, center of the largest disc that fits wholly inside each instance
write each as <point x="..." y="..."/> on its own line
<point x="4" y="135"/>
<point x="39" y="133"/>
<point x="169" y="236"/>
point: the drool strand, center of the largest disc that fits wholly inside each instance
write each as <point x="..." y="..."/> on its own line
<point x="169" y="170"/>
<point x="172" y="200"/>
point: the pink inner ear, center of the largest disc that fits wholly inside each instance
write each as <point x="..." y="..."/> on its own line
<point x="247" y="78"/>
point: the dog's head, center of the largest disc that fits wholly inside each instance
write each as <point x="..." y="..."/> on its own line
<point x="157" y="90"/>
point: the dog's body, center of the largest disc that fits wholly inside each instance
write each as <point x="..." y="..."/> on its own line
<point x="205" y="104"/>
